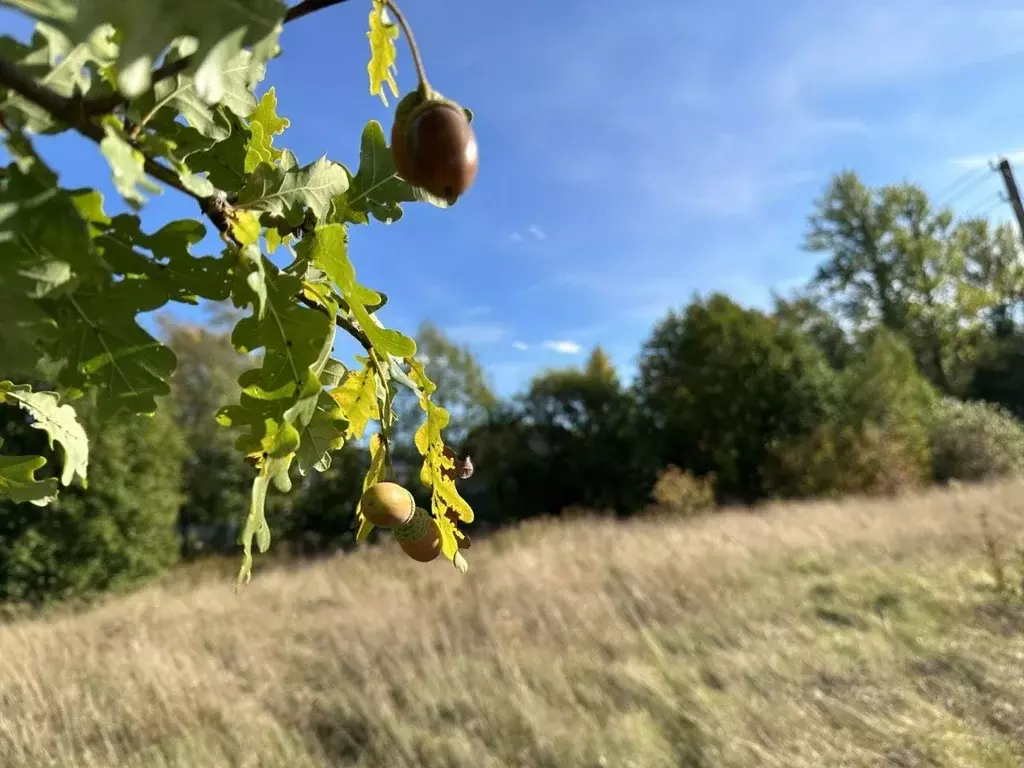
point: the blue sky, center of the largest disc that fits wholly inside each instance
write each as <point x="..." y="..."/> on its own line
<point x="630" y="159"/>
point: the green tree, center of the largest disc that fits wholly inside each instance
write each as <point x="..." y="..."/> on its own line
<point x="587" y="420"/>
<point x="74" y="279"/>
<point x="217" y="478"/>
<point x="118" y="532"/>
<point x="874" y="440"/>
<point x="999" y="375"/>
<point x="895" y="261"/>
<point x="719" y="383"/>
<point x="805" y="314"/>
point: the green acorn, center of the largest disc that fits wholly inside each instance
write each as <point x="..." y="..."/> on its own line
<point x="433" y="145"/>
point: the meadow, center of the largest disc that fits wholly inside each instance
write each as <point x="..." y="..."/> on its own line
<point x="860" y="633"/>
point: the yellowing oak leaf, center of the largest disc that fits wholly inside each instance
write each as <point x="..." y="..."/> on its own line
<point x="382" y="36"/>
<point x="357" y="396"/>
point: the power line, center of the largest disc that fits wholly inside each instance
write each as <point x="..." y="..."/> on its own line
<point x="967" y="190"/>
<point x="952" y="187"/>
<point x="987" y="205"/>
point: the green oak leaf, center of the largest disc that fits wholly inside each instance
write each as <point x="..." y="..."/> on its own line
<point x="377" y="190"/>
<point x="45" y="241"/>
<point x="18" y="481"/>
<point x="382" y="35"/>
<point x="164" y="258"/>
<point x="220" y="28"/>
<point x="327" y="249"/>
<point x="222" y="162"/>
<point x="273" y="417"/>
<point x="324" y="433"/>
<point x="106" y="349"/>
<point x="290" y="334"/>
<point x="283" y="193"/>
<point x="126" y="164"/>
<point x="53" y="61"/>
<point x="179" y="94"/>
<point x="272" y="470"/>
<point x="59" y="421"/>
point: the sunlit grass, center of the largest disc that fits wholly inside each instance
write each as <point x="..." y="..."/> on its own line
<point x="856" y="634"/>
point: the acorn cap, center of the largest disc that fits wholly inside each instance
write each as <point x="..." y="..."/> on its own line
<point x="420" y="538"/>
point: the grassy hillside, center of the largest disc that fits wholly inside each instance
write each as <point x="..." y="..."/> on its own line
<point x="858" y="634"/>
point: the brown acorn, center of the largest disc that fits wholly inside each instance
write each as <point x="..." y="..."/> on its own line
<point x="387" y="505"/>
<point x="420" y="538"/>
<point x="433" y="145"/>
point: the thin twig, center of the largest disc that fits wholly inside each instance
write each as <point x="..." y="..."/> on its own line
<point x="307" y="7"/>
<point x="421" y="71"/>
<point x="65" y="110"/>
<point x="342" y="322"/>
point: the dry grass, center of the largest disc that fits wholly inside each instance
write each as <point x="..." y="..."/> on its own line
<point x="860" y="634"/>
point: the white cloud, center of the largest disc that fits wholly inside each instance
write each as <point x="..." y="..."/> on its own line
<point x="475" y="311"/>
<point x="534" y="231"/>
<point x="972" y="162"/>
<point x="563" y="347"/>
<point x="476" y="333"/>
<point x="522" y="346"/>
<point x="748" y="124"/>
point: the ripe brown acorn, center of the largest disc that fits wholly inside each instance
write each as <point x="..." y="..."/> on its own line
<point x="420" y="538"/>
<point x="433" y="145"/>
<point x="387" y="505"/>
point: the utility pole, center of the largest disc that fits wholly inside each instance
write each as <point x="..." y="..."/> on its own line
<point x="1013" y="194"/>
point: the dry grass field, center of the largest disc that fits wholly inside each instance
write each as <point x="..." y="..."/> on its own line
<point x="856" y="634"/>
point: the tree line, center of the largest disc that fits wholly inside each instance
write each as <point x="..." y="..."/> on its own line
<point x="900" y="363"/>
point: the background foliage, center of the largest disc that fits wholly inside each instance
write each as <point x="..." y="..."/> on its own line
<point x="893" y="367"/>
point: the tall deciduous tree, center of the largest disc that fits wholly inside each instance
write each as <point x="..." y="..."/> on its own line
<point x="217" y="479"/>
<point x="893" y="260"/>
<point x="588" y="420"/>
<point x="718" y="383"/>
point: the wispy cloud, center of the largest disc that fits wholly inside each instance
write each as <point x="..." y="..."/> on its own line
<point x="522" y="346"/>
<point x="475" y="310"/>
<point x="563" y="347"/>
<point x="972" y="162"/>
<point x="737" y="133"/>
<point x="477" y="333"/>
<point x="533" y="231"/>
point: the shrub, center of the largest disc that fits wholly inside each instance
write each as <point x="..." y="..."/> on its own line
<point x="679" y="492"/>
<point x="837" y="460"/>
<point x="118" y="532"/>
<point x="974" y="441"/>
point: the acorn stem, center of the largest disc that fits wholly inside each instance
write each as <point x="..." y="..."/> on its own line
<point x="421" y="71"/>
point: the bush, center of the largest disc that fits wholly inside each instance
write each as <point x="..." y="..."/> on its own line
<point x="679" y="492"/>
<point x="837" y="460"/>
<point x="975" y="441"/>
<point x="118" y="532"/>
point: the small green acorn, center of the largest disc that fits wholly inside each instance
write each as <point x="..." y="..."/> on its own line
<point x="433" y="145"/>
